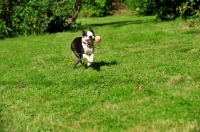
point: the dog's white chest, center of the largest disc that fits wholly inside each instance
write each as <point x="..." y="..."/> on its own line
<point x="87" y="49"/>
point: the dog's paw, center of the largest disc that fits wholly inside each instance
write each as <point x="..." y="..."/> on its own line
<point x="89" y="63"/>
<point x="82" y="62"/>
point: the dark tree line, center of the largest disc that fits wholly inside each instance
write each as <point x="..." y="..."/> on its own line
<point x="20" y="17"/>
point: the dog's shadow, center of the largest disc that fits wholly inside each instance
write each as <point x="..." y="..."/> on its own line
<point x="97" y="65"/>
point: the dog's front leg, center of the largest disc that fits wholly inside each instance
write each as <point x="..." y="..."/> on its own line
<point x="92" y="60"/>
<point x="89" y="58"/>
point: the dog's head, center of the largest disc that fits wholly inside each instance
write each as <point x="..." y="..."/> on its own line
<point x="88" y="36"/>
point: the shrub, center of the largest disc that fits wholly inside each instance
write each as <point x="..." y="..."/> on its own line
<point x="136" y="5"/>
<point x="166" y="9"/>
<point x="33" y="16"/>
<point x="189" y="9"/>
<point x="95" y="8"/>
<point x="4" y="19"/>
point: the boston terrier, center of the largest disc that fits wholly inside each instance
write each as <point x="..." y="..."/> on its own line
<point x="84" y="47"/>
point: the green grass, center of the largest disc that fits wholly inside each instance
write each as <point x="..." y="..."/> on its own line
<point x="40" y="91"/>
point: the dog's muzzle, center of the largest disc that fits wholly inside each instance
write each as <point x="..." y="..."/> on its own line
<point x="91" y="37"/>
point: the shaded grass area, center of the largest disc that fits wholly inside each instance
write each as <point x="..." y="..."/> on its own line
<point x="145" y="78"/>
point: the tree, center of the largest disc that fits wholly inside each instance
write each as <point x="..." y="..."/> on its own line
<point x="166" y="9"/>
<point x="24" y="17"/>
<point x="75" y="11"/>
<point x="33" y="16"/>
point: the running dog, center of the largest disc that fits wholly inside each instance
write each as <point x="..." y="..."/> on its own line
<point x="84" y="47"/>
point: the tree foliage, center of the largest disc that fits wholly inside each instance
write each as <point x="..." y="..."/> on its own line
<point x="33" y="16"/>
<point x="96" y="8"/>
<point x="24" y="17"/>
<point x="166" y="9"/>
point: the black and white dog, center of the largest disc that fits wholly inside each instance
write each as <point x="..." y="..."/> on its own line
<point x="84" y="47"/>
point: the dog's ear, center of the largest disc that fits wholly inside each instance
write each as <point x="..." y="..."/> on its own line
<point x="91" y="30"/>
<point x="83" y="33"/>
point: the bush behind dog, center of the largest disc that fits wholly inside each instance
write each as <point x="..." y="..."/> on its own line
<point x="33" y="17"/>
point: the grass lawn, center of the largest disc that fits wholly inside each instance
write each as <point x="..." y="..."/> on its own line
<point x="146" y="77"/>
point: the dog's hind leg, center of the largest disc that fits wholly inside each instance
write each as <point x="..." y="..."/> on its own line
<point x="76" y="62"/>
<point x="78" y="59"/>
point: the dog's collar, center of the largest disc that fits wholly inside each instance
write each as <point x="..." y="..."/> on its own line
<point x="88" y="45"/>
<point x="84" y="43"/>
